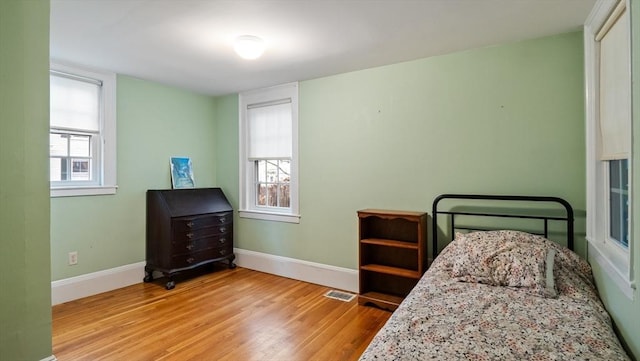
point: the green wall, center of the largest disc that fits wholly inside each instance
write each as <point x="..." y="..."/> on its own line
<point x="25" y="289"/>
<point x="154" y="123"/>
<point x="626" y="312"/>
<point x="504" y="119"/>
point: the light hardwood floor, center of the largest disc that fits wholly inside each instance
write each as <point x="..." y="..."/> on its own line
<point x="235" y="314"/>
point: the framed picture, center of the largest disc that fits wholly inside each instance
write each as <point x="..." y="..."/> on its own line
<point x="182" y="173"/>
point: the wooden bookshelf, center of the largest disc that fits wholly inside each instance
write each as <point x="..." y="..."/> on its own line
<point x="392" y="255"/>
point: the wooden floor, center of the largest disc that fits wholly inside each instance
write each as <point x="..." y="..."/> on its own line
<point x="225" y="315"/>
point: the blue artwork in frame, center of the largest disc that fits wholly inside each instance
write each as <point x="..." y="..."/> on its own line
<point x="182" y="173"/>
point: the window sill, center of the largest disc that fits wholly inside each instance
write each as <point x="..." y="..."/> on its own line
<point x="601" y="257"/>
<point x="277" y="217"/>
<point x="83" y="191"/>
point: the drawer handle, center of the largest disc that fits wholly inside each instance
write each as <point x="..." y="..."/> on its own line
<point x="222" y="240"/>
<point x="189" y="224"/>
<point x="222" y="219"/>
<point x="189" y="235"/>
<point x="190" y="260"/>
<point x="223" y="229"/>
<point x="223" y="251"/>
<point x="190" y="246"/>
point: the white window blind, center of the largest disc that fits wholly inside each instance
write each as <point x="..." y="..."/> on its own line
<point x="615" y="87"/>
<point x="270" y="130"/>
<point x="75" y="103"/>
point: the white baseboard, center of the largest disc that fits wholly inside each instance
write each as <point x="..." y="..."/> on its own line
<point x="344" y="279"/>
<point x="90" y="284"/>
<point x="50" y="358"/>
<point x="73" y="288"/>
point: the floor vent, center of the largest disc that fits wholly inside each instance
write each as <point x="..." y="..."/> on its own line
<point x="339" y="295"/>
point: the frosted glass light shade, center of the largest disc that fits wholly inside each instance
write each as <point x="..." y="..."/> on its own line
<point x="249" y="47"/>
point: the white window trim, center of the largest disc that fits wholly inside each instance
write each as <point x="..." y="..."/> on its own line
<point x="108" y="176"/>
<point x="289" y="90"/>
<point x="602" y="250"/>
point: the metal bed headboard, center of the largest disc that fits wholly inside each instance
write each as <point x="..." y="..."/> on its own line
<point x="568" y="217"/>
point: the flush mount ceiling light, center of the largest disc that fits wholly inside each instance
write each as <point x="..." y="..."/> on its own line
<point x="249" y="47"/>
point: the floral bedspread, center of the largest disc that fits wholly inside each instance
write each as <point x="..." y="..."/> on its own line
<point x="446" y="319"/>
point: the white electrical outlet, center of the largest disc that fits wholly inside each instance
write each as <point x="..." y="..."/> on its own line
<point x="73" y="258"/>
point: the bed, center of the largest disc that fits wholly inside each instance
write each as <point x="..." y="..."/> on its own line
<point x="500" y="289"/>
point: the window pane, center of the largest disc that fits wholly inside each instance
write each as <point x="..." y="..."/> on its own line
<point x="614" y="173"/>
<point x="261" y="199"/>
<point x="262" y="170"/>
<point x="58" y="169"/>
<point x="285" y="200"/>
<point x="272" y="171"/>
<point x="272" y="195"/>
<point x="80" y="169"/>
<point x="625" y="220"/>
<point x="616" y="216"/>
<point x="58" y="144"/>
<point x="55" y="169"/>
<point x="285" y="171"/>
<point x="618" y="201"/>
<point x="80" y="145"/>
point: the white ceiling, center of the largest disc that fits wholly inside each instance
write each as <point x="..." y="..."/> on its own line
<point x="189" y="43"/>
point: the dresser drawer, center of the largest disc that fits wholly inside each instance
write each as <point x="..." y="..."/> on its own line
<point x="200" y="244"/>
<point x="186" y="224"/>
<point x="194" y="258"/>
<point x="190" y="235"/>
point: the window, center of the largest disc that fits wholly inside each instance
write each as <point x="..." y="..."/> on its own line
<point x="268" y="153"/>
<point x="82" y="132"/>
<point x="608" y="123"/>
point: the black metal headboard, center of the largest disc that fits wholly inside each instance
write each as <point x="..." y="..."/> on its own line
<point x="566" y="217"/>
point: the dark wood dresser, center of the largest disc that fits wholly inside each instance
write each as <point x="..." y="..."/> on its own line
<point x="187" y="228"/>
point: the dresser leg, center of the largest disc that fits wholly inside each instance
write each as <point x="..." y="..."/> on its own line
<point x="231" y="264"/>
<point x="170" y="285"/>
<point x="148" y="275"/>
